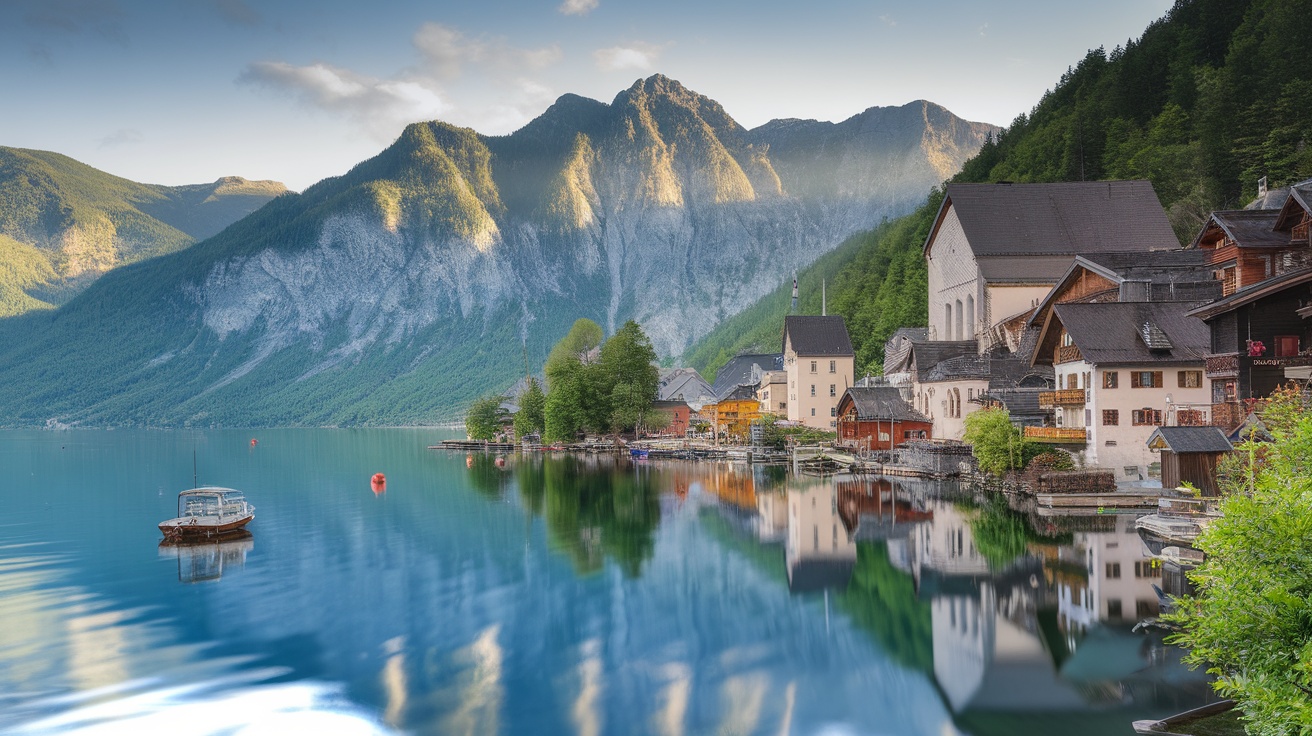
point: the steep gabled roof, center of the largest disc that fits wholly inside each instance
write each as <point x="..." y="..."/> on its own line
<point x="1189" y="439"/>
<point x="685" y="383"/>
<point x="823" y="336"/>
<point x="1298" y="203"/>
<point x="1111" y="333"/>
<point x="1057" y="219"/>
<point x="926" y="355"/>
<point x="1248" y="228"/>
<point x="880" y="403"/>
<point x="744" y="370"/>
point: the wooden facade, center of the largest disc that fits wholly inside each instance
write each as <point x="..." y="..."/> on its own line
<point x="882" y="430"/>
<point x="1195" y="468"/>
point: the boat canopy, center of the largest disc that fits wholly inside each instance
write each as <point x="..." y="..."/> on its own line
<point x="210" y="502"/>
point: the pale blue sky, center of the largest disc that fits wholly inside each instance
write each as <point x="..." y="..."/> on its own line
<point x="185" y="91"/>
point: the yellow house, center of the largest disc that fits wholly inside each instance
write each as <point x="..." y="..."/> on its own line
<point x="734" y="413"/>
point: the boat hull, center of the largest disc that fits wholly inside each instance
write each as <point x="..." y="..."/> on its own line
<point x="202" y="527"/>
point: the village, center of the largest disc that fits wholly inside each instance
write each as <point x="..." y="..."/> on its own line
<point x="1073" y="307"/>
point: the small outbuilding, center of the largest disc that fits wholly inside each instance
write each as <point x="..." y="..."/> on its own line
<point x="878" y="418"/>
<point x="1190" y="455"/>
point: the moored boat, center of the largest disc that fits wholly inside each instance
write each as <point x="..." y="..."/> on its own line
<point x="208" y="512"/>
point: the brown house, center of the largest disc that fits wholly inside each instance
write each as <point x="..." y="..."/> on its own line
<point x="678" y="412"/>
<point x="1190" y="455"/>
<point x="877" y="418"/>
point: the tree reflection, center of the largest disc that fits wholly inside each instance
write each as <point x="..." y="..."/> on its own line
<point x="487" y="473"/>
<point x="594" y="508"/>
<point x="882" y="600"/>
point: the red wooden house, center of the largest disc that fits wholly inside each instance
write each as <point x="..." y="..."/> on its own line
<point x="878" y="418"/>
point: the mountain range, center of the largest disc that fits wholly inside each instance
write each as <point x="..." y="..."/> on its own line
<point x="63" y="223"/>
<point x="449" y="263"/>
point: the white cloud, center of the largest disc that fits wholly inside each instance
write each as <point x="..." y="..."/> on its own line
<point x="888" y="20"/>
<point x="380" y="105"/>
<point x="635" y="56"/>
<point x="486" y="69"/>
<point x="577" y="7"/>
<point x="447" y="52"/>
<point x="983" y="30"/>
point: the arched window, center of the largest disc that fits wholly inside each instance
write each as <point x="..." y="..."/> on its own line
<point x="947" y="321"/>
<point x="970" y="317"/>
<point x="958" y="321"/>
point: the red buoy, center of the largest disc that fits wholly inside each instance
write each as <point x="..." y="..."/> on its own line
<point x="378" y="482"/>
<point x="254" y="442"/>
<point x="500" y="461"/>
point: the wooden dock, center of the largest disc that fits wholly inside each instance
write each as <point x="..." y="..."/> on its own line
<point x="1110" y="501"/>
<point x="474" y="446"/>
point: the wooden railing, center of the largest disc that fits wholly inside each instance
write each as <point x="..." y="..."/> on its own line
<point x="1056" y="434"/>
<point x="1063" y="397"/>
<point x="1221" y="365"/>
<point x="1068" y="354"/>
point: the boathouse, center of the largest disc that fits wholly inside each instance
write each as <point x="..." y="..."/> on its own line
<point x="1190" y="455"/>
<point x="877" y="418"/>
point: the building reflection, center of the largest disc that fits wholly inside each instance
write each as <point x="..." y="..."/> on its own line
<point x="202" y="561"/>
<point x="1010" y="614"/>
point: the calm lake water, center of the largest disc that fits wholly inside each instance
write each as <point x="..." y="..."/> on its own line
<point x="558" y="595"/>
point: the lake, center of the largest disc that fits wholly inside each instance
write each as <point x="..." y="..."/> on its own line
<point x="578" y="595"/>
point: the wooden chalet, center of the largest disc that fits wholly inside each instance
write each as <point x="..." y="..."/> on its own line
<point x="1245" y="247"/>
<point x="877" y="418"/>
<point x="1190" y="455"/>
<point x="1261" y="338"/>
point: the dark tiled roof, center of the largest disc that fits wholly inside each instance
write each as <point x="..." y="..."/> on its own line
<point x="960" y="368"/>
<point x="684" y="383"/>
<point x="926" y="355"/>
<point x="1021" y="403"/>
<point x="744" y="370"/>
<point x="1157" y="266"/>
<point x="1299" y="201"/>
<point x="811" y="335"/>
<point x="1191" y="439"/>
<point x="742" y="392"/>
<point x="1059" y="219"/>
<point x="1274" y="199"/>
<point x="1248" y="228"/>
<point x="897" y="351"/>
<point x="881" y="402"/>
<point x="1109" y="333"/>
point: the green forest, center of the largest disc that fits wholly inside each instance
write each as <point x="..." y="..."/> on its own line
<point x="1211" y="98"/>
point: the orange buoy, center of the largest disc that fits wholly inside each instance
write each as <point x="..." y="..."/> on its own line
<point x="378" y="483"/>
<point x="469" y="461"/>
<point x="501" y="462"/>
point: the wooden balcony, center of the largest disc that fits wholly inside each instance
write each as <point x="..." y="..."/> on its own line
<point x="1063" y="397"/>
<point x="1221" y="365"/>
<point x="1068" y="354"/>
<point x="1056" y="435"/>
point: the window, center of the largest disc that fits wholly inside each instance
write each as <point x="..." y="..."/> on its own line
<point x="1110" y="379"/>
<point x="1286" y="346"/>
<point x="833" y="366"/>
<point x="1113" y="570"/>
<point x="1146" y="417"/>
<point x="1190" y="379"/>
<point x="1145" y="608"/>
<point x="1145" y="379"/>
<point x="833" y="412"/>
<point x="813" y="366"/>
<point x="813" y="389"/>
<point x="1073" y="380"/>
<point x="1147" y="569"/>
<point x="832" y="391"/>
<point x="813" y="411"/>
<point x="947" y="321"/>
<point x="1114" y="608"/>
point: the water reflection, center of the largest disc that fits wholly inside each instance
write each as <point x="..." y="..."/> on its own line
<point x="551" y="595"/>
<point x="206" y="560"/>
<point x="1009" y="613"/>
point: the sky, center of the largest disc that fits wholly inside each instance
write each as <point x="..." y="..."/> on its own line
<point x="185" y="91"/>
